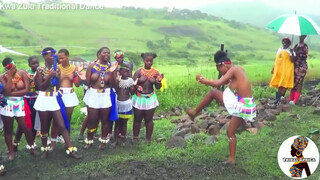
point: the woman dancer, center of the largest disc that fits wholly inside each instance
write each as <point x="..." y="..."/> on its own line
<point x="145" y="100"/>
<point x="16" y="85"/>
<point x="30" y="98"/>
<point x="68" y="76"/>
<point x="99" y="77"/>
<point x="47" y="105"/>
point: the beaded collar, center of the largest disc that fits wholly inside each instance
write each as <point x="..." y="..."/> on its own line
<point x="149" y="73"/>
<point x="102" y="69"/>
<point x="126" y="83"/>
<point x="44" y="70"/>
<point x="98" y="67"/>
<point x="31" y="75"/>
<point x="68" y="70"/>
<point x="15" y="79"/>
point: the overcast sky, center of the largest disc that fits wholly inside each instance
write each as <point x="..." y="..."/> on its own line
<point x="302" y="6"/>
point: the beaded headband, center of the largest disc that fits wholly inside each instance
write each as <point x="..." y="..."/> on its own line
<point x="118" y="54"/>
<point x="224" y="62"/>
<point x="52" y="51"/>
<point x="9" y="66"/>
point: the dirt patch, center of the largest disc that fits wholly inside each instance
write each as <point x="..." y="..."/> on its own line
<point x="181" y="31"/>
<point x="311" y="84"/>
<point x="132" y="170"/>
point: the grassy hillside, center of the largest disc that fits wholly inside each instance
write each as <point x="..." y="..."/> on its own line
<point x="12" y="33"/>
<point x="176" y="36"/>
<point x="184" y="40"/>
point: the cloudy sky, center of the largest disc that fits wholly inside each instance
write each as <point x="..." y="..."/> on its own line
<point x="302" y="6"/>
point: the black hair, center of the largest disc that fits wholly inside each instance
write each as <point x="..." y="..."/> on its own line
<point x="221" y="56"/>
<point x="144" y="55"/>
<point x="6" y="61"/>
<point x="31" y="58"/>
<point x="44" y="51"/>
<point x="64" y="51"/>
<point x="101" y="49"/>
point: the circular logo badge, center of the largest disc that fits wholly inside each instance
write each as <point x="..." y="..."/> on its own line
<point x="298" y="157"/>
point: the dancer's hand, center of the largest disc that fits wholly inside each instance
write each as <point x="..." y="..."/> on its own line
<point x="198" y="76"/>
<point x="140" y="88"/>
<point x="80" y="67"/>
<point x="12" y="70"/>
<point x="53" y="74"/>
<point x="82" y="76"/>
<point x="118" y="77"/>
<point x="159" y="78"/>
<point x="114" y="67"/>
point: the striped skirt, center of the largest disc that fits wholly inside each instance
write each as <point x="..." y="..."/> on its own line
<point x="239" y="106"/>
<point x="145" y="101"/>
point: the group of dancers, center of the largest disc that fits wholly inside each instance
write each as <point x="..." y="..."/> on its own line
<point x="41" y="94"/>
<point x="112" y="96"/>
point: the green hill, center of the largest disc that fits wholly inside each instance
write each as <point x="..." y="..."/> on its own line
<point x="177" y="36"/>
<point x="257" y="14"/>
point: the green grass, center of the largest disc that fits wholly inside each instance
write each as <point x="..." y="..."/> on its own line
<point x="256" y="154"/>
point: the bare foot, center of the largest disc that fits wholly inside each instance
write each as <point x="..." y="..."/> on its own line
<point x="123" y="144"/>
<point x="102" y="146"/>
<point x="75" y="155"/>
<point x="87" y="146"/>
<point x="114" y="144"/>
<point x="191" y="113"/>
<point x="135" y="140"/>
<point x="44" y="155"/>
<point x="147" y="141"/>
<point x="228" y="163"/>
<point x="2" y="172"/>
<point x="34" y="152"/>
<point x="15" y="148"/>
<point x="53" y="144"/>
<point x="11" y="156"/>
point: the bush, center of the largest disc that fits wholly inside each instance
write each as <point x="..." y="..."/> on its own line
<point x="134" y="58"/>
<point x="138" y="21"/>
<point x="13" y="24"/>
<point x="177" y="54"/>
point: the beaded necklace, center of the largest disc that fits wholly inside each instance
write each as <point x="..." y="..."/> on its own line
<point x="44" y="70"/>
<point x="149" y="73"/>
<point x="67" y="71"/>
<point x="15" y="79"/>
<point x="31" y="75"/>
<point x="102" y="69"/>
<point x="126" y="83"/>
